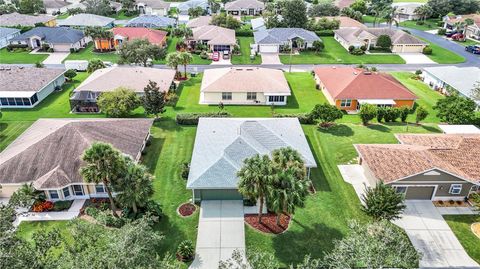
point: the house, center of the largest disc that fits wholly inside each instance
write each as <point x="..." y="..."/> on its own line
<point x="271" y="40"/>
<point x="244" y="7"/>
<point x="446" y="78"/>
<point x="405" y="11"/>
<point x="61" y="39"/>
<point x="244" y="86"/>
<point x="222" y="144"/>
<point x="358" y="37"/>
<point x="25" y="87"/>
<point x="425" y="166"/>
<point x="54" y="7"/>
<point x="343" y="3"/>
<point x="124" y="34"/>
<point x="152" y="7"/>
<point x="471" y="30"/>
<point x="459" y="129"/>
<point x="217" y="38"/>
<point x="345" y="22"/>
<point x="84" y="97"/>
<point x="83" y="20"/>
<point x="199" y="21"/>
<point x="151" y="21"/>
<point x="183" y="7"/>
<point x="348" y="88"/>
<point x="16" y="19"/>
<point x="49" y="154"/>
<point x="6" y="34"/>
<point x="258" y="24"/>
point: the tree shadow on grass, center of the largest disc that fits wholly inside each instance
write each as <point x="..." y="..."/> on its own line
<point x="173" y="235"/>
<point x="317" y="175"/>
<point x="150" y="159"/>
<point x="337" y="130"/>
<point x="379" y="127"/>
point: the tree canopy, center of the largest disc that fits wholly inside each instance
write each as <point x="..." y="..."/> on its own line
<point x="456" y="109"/>
<point x="140" y="51"/>
<point x="118" y="103"/>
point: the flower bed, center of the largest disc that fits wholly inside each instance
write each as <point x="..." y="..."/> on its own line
<point x="450" y="203"/>
<point x="269" y="223"/>
<point x="46" y="206"/>
<point x="98" y="203"/>
<point x="186" y="209"/>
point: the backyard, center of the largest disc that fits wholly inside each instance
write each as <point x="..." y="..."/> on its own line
<point x="244" y="57"/>
<point x="20" y="57"/>
<point x="460" y="225"/>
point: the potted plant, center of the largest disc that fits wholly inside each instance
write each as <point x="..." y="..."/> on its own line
<point x="185" y="251"/>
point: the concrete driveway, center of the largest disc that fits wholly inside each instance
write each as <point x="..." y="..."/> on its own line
<point x="431" y="235"/>
<point x="56" y="57"/>
<point x="222" y="61"/>
<point x="416" y="58"/>
<point x="221" y="230"/>
<point x="354" y="175"/>
<point x="270" y="58"/>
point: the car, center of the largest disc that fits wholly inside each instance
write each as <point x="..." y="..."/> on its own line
<point x="226" y="54"/>
<point x="475" y="49"/>
<point x="450" y="34"/>
<point x="216" y="56"/>
<point x="458" y="37"/>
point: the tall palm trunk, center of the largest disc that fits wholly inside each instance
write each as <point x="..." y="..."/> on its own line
<point x="134" y="207"/>
<point x="110" y="197"/>
<point x="260" y="210"/>
<point x="185" y="70"/>
<point x="278" y="218"/>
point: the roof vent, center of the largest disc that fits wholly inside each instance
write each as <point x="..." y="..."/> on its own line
<point x="367" y="73"/>
<point x="355" y="73"/>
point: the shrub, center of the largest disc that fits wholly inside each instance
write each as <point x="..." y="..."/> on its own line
<point x="391" y="114"/>
<point x="192" y="118"/>
<point x="327" y="114"/>
<point x="357" y="51"/>
<point x="39" y="65"/>
<point x="384" y="42"/>
<point x="427" y="50"/>
<point x="42" y="206"/>
<point x="70" y="74"/>
<point x="420" y="23"/>
<point x="325" y="33"/>
<point x="185" y="169"/>
<point x="303" y="118"/>
<point x="363" y="47"/>
<point x="351" y="48"/>
<point x="367" y="113"/>
<point x="172" y="99"/>
<point x="418" y="72"/>
<point x="404" y="111"/>
<point x="185" y="251"/>
<point x="243" y="32"/>
<point x="61" y="205"/>
<point x="442" y="31"/>
<point x="91" y="211"/>
<point x="106" y="218"/>
<point x="383" y="202"/>
<point x="204" y="55"/>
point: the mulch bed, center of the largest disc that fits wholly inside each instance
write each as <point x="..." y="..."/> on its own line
<point x="186" y="209"/>
<point x="269" y="223"/>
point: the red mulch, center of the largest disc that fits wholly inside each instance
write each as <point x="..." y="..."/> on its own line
<point x="269" y="223"/>
<point x="187" y="209"/>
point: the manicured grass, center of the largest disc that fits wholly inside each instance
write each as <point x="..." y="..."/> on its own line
<point x="88" y="54"/>
<point x="23" y="57"/>
<point x="27" y="228"/>
<point x="468" y="42"/>
<point x="460" y="225"/>
<point x="244" y="58"/>
<point x="171" y="47"/>
<point x="370" y="19"/>
<point x="430" y="24"/>
<point x="11" y="130"/>
<point x="334" y="53"/>
<point x="443" y="56"/>
<point x="121" y="16"/>
<point x="63" y="16"/>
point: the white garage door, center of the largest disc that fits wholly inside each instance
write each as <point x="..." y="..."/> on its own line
<point x="268" y="48"/>
<point x="62" y="47"/>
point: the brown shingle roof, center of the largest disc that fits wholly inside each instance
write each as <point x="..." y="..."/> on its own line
<point x="49" y="152"/>
<point x="455" y="154"/>
<point x="214" y="35"/>
<point x="398" y="37"/>
<point x="344" y="21"/>
<point x="26" y="79"/>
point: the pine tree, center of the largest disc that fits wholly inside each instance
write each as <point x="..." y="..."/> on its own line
<point x="153" y="100"/>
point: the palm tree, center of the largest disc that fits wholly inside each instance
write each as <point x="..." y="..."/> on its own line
<point x="185" y="58"/>
<point x="255" y="177"/>
<point x="173" y="60"/>
<point x="99" y="34"/>
<point x="104" y="164"/>
<point x="135" y="187"/>
<point x="288" y="158"/>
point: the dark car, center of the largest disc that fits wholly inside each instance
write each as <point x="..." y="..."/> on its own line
<point x="475" y="49"/>
<point x="450" y="34"/>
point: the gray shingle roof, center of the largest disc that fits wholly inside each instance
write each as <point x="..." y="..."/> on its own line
<point x="150" y="21"/>
<point x="26" y="79"/>
<point x="84" y="19"/>
<point x="282" y="35"/>
<point x="244" y="4"/>
<point x="221" y="145"/>
<point x="7" y="31"/>
<point x="54" y="35"/>
<point x="185" y="6"/>
<point x="463" y="79"/>
<point x="14" y="19"/>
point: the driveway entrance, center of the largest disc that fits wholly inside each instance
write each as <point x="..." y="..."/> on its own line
<point x="220" y="231"/>
<point x="270" y="58"/>
<point x="416" y="58"/>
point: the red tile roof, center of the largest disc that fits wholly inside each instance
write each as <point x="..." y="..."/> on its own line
<point x="154" y="36"/>
<point x="356" y="83"/>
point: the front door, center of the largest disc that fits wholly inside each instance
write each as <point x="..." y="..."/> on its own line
<point x="251" y="11"/>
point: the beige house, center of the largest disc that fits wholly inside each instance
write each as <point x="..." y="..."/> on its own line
<point x="244" y="86"/>
<point x="152" y="7"/>
<point x="471" y="30"/>
<point x="425" y="166"/>
<point x="244" y="7"/>
<point x="48" y="154"/>
<point x="199" y="21"/>
<point x="217" y="38"/>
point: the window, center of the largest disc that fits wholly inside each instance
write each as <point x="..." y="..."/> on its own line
<point x="251" y="96"/>
<point x="53" y="194"/>
<point x="276" y="98"/>
<point x="66" y="192"/>
<point x="78" y="190"/>
<point x="100" y="188"/>
<point x="226" y="96"/>
<point x="455" y="189"/>
<point x="401" y="189"/>
<point x="346" y="103"/>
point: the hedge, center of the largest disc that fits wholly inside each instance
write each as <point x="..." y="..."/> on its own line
<point x="192" y="118"/>
<point x="303" y="118"/>
<point x="325" y="33"/>
<point x="243" y="32"/>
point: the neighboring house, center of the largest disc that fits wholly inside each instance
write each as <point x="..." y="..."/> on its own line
<point x="425" y="166"/>
<point x="357" y="37"/>
<point x="49" y="154"/>
<point x="84" y="97"/>
<point x="472" y="30"/>
<point x="17" y="19"/>
<point x="217" y="38"/>
<point x="406" y="11"/>
<point x="183" y="7"/>
<point x="258" y="24"/>
<point x="6" y="34"/>
<point x="54" y="7"/>
<point x="244" y="86"/>
<point x="343" y="3"/>
<point x="83" y="20"/>
<point x="151" y="21"/>
<point x="345" y="22"/>
<point x="124" y="34"/>
<point x="152" y="7"/>
<point x="222" y="144"/>
<point x="459" y="129"/>
<point x="445" y="78"/>
<point x="25" y="87"/>
<point x="348" y="88"/>
<point x="270" y="40"/>
<point x="244" y="7"/>
<point x="61" y="39"/>
<point x="199" y="21"/>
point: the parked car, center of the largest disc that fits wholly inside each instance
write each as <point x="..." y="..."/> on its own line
<point x="475" y="49"/>
<point x="458" y="37"/>
<point x="216" y="56"/>
<point x="226" y="54"/>
<point x="450" y="34"/>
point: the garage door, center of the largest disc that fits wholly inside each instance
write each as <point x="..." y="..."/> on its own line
<point x="221" y="47"/>
<point x="268" y="48"/>
<point x="407" y="48"/>
<point x="419" y="193"/>
<point x="62" y="47"/>
<point x="220" y="195"/>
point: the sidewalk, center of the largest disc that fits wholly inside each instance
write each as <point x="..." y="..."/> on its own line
<point x="72" y="213"/>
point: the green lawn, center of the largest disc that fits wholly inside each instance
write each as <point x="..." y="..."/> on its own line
<point x="63" y="16"/>
<point x="171" y="47"/>
<point x="443" y="56"/>
<point x="334" y="53"/>
<point x="430" y="24"/>
<point x="370" y="19"/>
<point x="10" y="130"/>
<point x="244" y="58"/>
<point x="88" y="54"/>
<point x="27" y="228"/>
<point x="23" y="57"/>
<point x="468" y="42"/>
<point x="460" y="225"/>
<point x="121" y="16"/>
